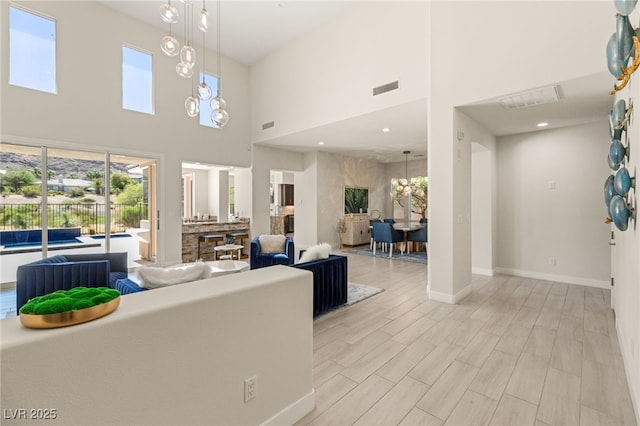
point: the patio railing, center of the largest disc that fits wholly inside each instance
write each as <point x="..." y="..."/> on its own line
<point x="90" y="217"/>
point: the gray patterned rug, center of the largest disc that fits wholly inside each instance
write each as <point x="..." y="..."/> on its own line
<point x="414" y="256"/>
<point x="359" y="292"/>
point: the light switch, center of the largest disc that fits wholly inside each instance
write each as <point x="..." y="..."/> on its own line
<point x="552" y="184"/>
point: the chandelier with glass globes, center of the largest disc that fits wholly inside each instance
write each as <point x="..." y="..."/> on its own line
<point x="187" y="54"/>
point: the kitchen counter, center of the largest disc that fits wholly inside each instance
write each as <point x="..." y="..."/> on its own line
<point x="277" y="224"/>
<point x="192" y="230"/>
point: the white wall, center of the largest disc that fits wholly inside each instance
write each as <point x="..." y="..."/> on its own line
<point x="566" y="223"/>
<point x="181" y="356"/>
<point x="337" y="65"/>
<point x="626" y="253"/>
<point x="472" y="49"/>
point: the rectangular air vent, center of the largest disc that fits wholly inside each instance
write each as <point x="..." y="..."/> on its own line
<point x="543" y="95"/>
<point x="268" y="125"/>
<point x="385" y="88"/>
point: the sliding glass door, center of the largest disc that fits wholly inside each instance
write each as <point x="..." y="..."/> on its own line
<point x="59" y="201"/>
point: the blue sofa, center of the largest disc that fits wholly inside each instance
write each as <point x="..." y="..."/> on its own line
<point x="67" y="271"/>
<point x="257" y="259"/>
<point x="329" y="282"/>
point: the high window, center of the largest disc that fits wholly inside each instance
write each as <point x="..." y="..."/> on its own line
<point x="32" y="51"/>
<point x="205" y="106"/>
<point x="137" y="80"/>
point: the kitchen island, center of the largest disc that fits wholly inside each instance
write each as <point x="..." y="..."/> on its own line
<point x="193" y="229"/>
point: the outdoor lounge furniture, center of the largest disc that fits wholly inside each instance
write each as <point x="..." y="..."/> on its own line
<point x="64" y="272"/>
<point x="260" y="259"/>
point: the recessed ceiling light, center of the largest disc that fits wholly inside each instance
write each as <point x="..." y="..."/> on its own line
<point x="542" y="124"/>
<point x="321" y="143"/>
<point x="386" y="129"/>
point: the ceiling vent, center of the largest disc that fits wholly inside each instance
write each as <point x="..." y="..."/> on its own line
<point x="544" y="95"/>
<point x="268" y="125"/>
<point x="385" y="88"/>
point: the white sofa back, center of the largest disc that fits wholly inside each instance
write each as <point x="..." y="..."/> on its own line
<point x="175" y="355"/>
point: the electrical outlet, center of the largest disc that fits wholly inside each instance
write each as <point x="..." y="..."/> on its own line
<point x="250" y="388"/>
<point x="552" y="261"/>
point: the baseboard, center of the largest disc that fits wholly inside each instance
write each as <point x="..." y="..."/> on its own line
<point x="294" y="412"/>
<point x="634" y="393"/>
<point x="567" y="279"/>
<point x="450" y="298"/>
<point x="483" y="271"/>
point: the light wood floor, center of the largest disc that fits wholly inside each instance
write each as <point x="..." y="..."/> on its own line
<point x="515" y="352"/>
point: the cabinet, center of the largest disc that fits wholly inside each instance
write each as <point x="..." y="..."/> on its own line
<point x="286" y="194"/>
<point x="357" y="232"/>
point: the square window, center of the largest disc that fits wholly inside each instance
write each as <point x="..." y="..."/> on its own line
<point x="32" y="51"/>
<point x="205" y="106"/>
<point x="137" y="80"/>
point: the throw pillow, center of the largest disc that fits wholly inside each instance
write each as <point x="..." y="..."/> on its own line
<point x="272" y="243"/>
<point x="319" y="251"/>
<point x="154" y="277"/>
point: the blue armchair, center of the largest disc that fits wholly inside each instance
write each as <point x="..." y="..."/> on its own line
<point x="383" y="232"/>
<point x="418" y="236"/>
<point x="258" y="259"/>
<point x="64" y="272"/>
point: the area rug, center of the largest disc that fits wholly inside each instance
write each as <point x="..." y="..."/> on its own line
<point x="358" y="292"/>
<point x="414" y="256"/>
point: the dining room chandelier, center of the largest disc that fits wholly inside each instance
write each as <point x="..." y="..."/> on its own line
<point x="403" y="186"/>
<point x="187" y="55"/>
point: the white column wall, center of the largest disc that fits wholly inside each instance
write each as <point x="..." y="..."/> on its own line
<point x="264" y="160"/>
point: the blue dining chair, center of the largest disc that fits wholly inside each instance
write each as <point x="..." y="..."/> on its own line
<point x="383" y="232"/>
<point x="419" y="236"/>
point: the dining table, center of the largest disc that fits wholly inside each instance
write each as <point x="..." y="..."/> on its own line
<point x="406" y="227"/>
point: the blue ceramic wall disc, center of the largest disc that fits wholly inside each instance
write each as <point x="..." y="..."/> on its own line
<point x="612" y="165"/>
<point x="619" y="212"/>
<point x="613" y="61"/>
<point x="625" y="7"/>
<point x="609" y="192"/>
<point x="619" y="111"/>
<point x="617" y="151"/>
<point x="624" y="38"/>
<point x="622" y="183"/>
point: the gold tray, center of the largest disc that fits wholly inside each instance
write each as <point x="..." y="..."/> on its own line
<point x="65" y="319"/>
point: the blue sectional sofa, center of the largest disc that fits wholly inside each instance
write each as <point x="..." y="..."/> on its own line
<point x="64" y="272"/>
<point x="329" y="282"/>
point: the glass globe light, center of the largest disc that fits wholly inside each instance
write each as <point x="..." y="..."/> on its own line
<point x="192" y="105"/>
<point x="220" y="117"/>
<point x="184" y="71"/>
<point x="406" y="190"/>
<point x="168" y="13"/>
<point x="204" y="91"/>
<point x="218" y="103"/>
<point x="203" y="24"/>
<point x="169" y="45"/>
<point x="188" y="56"/>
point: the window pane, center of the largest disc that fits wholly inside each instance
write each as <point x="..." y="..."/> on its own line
<point x="205" y="107"/>
<point x="32" y="51"/>
<point x="137" y="80"/>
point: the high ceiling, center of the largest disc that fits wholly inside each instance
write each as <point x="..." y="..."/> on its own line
<point x="253" y="29"/>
